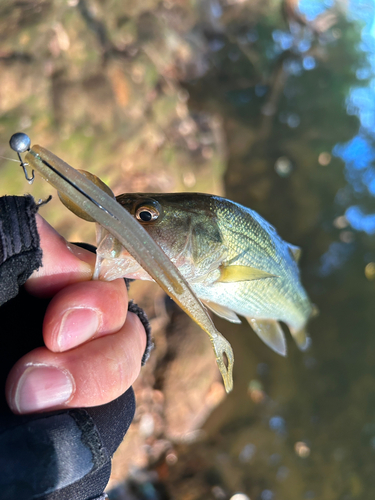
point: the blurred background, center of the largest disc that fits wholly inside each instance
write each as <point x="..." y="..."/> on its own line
<point x="270" y="103"/>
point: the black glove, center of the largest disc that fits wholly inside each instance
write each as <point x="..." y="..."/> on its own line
<point x="59" y="455"/>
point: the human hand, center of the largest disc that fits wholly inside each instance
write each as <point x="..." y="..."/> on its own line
<point x="93" y="346"/>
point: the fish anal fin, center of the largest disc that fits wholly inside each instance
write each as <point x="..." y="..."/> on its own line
<point x="232" y="274"/>
<point x="222" y="311"/>
<point x="295" y="251"/>
<point x="270" y="331"/>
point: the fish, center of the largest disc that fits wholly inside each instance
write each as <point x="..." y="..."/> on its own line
<point x="232" y="258"/>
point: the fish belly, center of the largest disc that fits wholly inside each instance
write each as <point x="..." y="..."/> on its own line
<point x="256" y="299"/>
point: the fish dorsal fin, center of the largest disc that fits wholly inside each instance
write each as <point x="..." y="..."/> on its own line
<point x="295" y="251"/>
<point x="270" y="331"/>
<point x="232" y="274"/>
<point x="222" y="311"/>
<point x="301" y="338"/>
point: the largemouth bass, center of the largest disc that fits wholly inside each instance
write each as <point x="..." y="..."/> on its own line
<point x="232" y="258"/>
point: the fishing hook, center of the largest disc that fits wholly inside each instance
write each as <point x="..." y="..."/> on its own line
<point x="20" y="143"/>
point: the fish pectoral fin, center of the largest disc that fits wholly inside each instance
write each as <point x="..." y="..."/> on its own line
<point x="270" y="331"/>
<point x="301" y="338"/>
<point x="222" y="311"/>
<point x="232" y="274"/>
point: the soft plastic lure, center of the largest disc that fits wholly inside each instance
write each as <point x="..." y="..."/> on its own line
<point x="94" y="201"/>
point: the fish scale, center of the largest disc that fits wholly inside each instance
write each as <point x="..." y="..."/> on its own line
<point x="282" y="264"/>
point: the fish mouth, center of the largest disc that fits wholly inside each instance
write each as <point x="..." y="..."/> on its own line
<point x="114" y="261"/>
<point x="109" y="269"/>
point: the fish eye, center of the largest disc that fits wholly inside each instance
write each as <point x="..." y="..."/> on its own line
<point x="147" y="213"/>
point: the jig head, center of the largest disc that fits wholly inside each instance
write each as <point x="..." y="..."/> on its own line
<point x="20" y="143"/>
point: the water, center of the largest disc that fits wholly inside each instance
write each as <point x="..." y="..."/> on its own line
<point x="234" y="98"/>
<point x="302" y="154"/>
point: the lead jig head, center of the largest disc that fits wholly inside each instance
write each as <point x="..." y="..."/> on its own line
<point x="20" y="143"/>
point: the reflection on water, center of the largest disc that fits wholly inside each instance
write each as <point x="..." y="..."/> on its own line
<point x="283" y="100"/>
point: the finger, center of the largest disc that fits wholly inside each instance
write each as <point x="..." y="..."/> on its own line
<point x="62" y="263"/>
<point x="83" y="311"/>
<point x="89" y="375"/>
